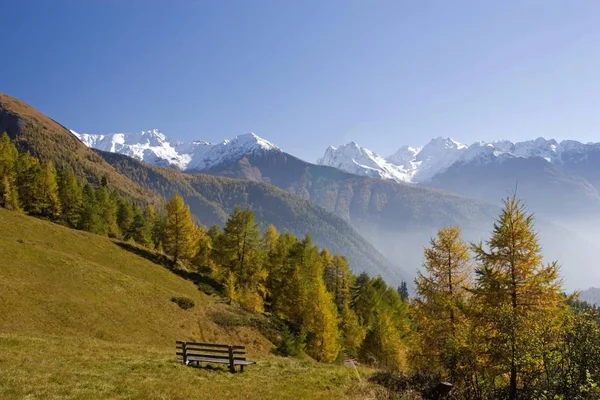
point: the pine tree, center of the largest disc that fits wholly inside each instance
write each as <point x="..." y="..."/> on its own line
<point x="439" y="308"/>
<point x="70" y="195"/>
<point x="181" y="239"/>
<point x="403" y="291"/>
<point x="518" y="298"/>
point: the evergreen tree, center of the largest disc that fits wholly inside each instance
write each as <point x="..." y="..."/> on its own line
<point x="518" y="298"/>
<point x="439" y="308"/>
<point x="70" y="195"/>
<point x="403" y="291"/>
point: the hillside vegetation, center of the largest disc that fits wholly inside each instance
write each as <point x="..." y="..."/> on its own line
<point x="212" y="199"/>
<point x="48" y="140"/>
<point x="83" y="318"/>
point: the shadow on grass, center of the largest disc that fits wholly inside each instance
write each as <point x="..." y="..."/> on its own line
<point x="201" y="278"/>
<point x="209" y="367"/>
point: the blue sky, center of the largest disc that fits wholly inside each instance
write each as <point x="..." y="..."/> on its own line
<point x="307" y="74"/>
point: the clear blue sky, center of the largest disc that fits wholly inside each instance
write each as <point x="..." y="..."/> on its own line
<point x="307" y="74"/>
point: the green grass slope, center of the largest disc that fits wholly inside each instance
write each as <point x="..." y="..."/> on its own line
<point x="83" y="318"/>
<point x="59" y="281"/>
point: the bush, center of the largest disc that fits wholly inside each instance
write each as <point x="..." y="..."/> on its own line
<point x="183" y="302"/>
<point x="291" y="345"/>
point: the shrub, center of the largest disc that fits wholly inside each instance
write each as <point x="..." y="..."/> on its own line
<point x="183" y="302"/>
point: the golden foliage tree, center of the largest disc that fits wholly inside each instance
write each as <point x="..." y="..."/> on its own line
<point x="518" y="298"/>
<point x="180" y="238"/>
<point x="439" y="308"/>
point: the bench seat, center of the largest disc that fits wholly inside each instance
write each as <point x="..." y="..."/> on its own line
<point x="219" y="360"/>
<point x="194" y="352"/>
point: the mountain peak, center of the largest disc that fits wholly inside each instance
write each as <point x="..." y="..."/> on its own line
<point x="251" y="139"/>
<point x="154" y="147"/>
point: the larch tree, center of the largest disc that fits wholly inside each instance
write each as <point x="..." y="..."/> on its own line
<point x="70" y="195"/>
<point x="439" y="307"/>
<point x="47" y="201"/>
<point x="181" y="234"/>
<point x="238" y="253"/>
<point x="518" y="297"/>
<point x="9" y="155"/>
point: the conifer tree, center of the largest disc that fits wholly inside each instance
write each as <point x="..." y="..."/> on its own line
<point x="9" y="197"/>
<point x="238" y="251"/>
<point x="282" y="278"/>
<point x="70" y="195"/>
<point x="28" y="169"/>
<point x="180" y="240"/>
<point x="106" y="208"/>
<point x="46" y="199"/>
<point x="91" y="220"/>
<point x="403" y="291"/>
<point x="439" y="308"/>
<point x="125" y="217"/>
<point x="141" y="228"/>
<point x="312" y="306"/>
<point x="517" y="296"/>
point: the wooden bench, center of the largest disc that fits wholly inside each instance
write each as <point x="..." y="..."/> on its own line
<point x="190" y="352"/>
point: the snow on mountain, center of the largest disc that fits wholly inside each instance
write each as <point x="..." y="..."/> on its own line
<point x="154" y="147"/>
<point x="358" y="160"/>
<point x="418" y="165"/>
<point x="408" y="164"/>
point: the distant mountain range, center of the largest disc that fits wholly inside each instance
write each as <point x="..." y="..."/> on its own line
<point x="395" y="203"/>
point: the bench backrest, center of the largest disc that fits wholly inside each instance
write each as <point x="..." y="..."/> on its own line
<point x="184" y="350"/>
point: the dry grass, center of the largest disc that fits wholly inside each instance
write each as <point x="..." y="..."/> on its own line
<point x="63" y="368"/>
<point x="83" y="318"/>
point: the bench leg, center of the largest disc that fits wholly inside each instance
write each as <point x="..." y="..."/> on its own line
<point x="242" y="368"/>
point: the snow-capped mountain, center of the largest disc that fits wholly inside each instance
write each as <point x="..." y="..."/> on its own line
<point x="360" y="161"/>
<point x="154" y="147"/>
<point x="420" y="165"/>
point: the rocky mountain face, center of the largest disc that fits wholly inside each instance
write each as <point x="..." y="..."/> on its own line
<point x="552" y="176"/>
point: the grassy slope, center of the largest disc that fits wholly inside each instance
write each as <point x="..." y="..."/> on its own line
<point x="80" y="317"/>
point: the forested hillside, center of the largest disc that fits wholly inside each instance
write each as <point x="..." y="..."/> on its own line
<point x="212" y="199"/>
<point x="48" y="140"/>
